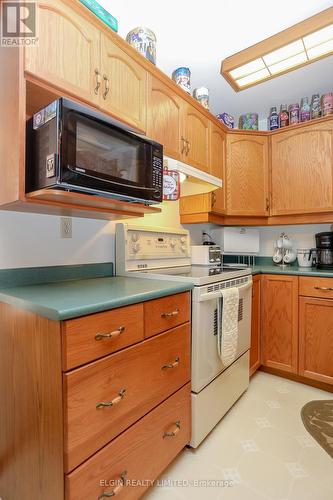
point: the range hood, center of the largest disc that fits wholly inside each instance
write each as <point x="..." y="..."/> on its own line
<point x="193" y="180"/>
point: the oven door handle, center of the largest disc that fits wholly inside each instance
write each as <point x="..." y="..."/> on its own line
<point x="217" y="294"/>
<point x="76" y="171"/>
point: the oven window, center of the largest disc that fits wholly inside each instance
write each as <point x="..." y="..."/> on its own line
<point x="106" y="151"/>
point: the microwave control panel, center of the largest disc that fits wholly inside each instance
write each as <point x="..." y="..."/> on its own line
<point x="157" y="173"/>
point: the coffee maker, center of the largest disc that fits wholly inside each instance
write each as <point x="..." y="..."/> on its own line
<point x="324" y="251"/>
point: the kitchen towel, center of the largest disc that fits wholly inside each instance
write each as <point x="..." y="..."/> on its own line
<point x="227" y="337"/>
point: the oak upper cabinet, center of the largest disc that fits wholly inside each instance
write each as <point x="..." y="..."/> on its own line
<point x="164" y="117"/>
<point x="68" y="52"/>
<point x="124" y="85"/>
<point x="280" y="322"/>
<point x="247" y="175"/>
<point x="196" y="135"/>
<point x="255" y="349"/>
<point x="217" y="151"/>
<point x="302" y="169"/>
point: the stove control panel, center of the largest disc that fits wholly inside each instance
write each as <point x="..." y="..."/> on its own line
<point x="151" y="248"/>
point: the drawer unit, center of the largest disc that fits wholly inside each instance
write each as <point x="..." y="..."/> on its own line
<point x="316" y="287"/>
<point x="91" y="337"/>
<point x="105" y="397"/>
<point x="167" y="312"/>
<point x="138" y="455"/>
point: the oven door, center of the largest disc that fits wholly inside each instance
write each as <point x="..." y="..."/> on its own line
<point x="206" y="362"/>
<point x="98" y="157"/>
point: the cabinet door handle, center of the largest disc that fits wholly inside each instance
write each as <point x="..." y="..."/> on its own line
<point x="98" y="81"/>
<point x="183" y="144"/>
<point x="170" y="314"/>
<point x="117" y="489"/>
<point x="213" y="199"/>
<point x="107" y="86"/>
<point x="324" y="288"/>
<point x="187" y="147"/>
<point x="171" y="365"/>
<point x="110" y="335"/>
<point x="267" y="204"/>
<point x="173" y="432"/>
<point x="114" y="401"/>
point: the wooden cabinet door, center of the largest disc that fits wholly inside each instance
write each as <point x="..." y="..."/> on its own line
<point x="217" y="201"/>
<point x="164" y="117"/>
<point x="127" y="81"/>
<point x="255" y="349"/>
<point x="68" y="52"/>
<point x="196" y="128"/>
<point x="247" y="175"/>
<point x="302" y="170"/>
<point x="217" y="151"/>
<point x="316" y="339"/>
<point x="280" y="322"/>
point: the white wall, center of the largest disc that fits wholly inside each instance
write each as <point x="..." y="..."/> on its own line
<point x="28" y="240"/>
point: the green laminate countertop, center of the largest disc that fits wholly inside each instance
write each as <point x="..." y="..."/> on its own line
<point x="291" y="270"/>
<point x="71" y="299"/>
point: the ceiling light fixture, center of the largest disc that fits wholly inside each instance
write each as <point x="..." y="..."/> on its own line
<point x="286" y="51"/>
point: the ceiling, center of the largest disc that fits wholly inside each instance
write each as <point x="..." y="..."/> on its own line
<point x="200" y="35"/>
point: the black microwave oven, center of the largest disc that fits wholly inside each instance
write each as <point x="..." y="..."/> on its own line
<point x="75" y="148"/>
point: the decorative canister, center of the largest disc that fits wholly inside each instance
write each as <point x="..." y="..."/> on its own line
<point x="304" y="257"/>
<point x="248" y="121"/>
<point x="201" y="94"/>
<point x="327" y="104"/>
<point x="182" y="76"/>
<point x="144" y="41"/>
<point x="305" y="111"/>
<point x="293" y="114"/>
<point x="227" y="119"/>
<point x="315" y="107"/>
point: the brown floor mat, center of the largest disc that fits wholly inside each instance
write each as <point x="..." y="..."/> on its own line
<point x="317" y="418"/>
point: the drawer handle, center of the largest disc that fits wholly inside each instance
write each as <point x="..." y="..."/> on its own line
<point x="325" y="288"/>
<point x="171" y="365"/>
<point x="170" y="314"/>
<point x="110" y="335"/>
<point x="117" y="489"/>
<point x="174" y="432"/>
<point x="115" y="401"/>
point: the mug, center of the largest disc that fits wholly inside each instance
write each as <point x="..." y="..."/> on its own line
<point x="304" y="257"/>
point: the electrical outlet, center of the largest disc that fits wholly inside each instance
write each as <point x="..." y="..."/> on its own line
<point x="65" y="227"/>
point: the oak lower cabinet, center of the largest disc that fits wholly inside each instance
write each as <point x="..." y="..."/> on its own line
<point x="302" y="169"/>
<point x="280" y="322"/>
<point x="247" y="175"/>
<point x="255" y="349"/>
<point x="95" y="406"/>
<point x="68" y="52"/>
<point x="316" y="330"/>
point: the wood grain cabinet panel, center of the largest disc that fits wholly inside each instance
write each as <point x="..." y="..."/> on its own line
<point x="247" y="175"/>
<point x="105" y="397"/>
<point x="68" y="51"/>
<point x="167" y="312"/>
<point x="316" y="339"/>
<point x="316" y="287"/>
<point x="91" y="337"/>
<point x="196" y="128"/>
<point x="302" y="170"/>
<point x="164" y="117"/>
<point x="255" y="349"/>
<point x="142" y="451"/>
<point x="127" y="83"/>
<point x="280" y="322"/>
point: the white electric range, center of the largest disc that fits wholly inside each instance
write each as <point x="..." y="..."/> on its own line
<point x="160" y="253"/>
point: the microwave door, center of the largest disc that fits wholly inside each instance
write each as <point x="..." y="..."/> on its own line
<point x="104" y="158"/>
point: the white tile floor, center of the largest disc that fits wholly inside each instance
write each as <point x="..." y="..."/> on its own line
<point x="261" y="448"/>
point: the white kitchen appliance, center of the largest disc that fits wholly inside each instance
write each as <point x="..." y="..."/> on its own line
<point x="206" y="255"/>
<point x="159" y="253"/>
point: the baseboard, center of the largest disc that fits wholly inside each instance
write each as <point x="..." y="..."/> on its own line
<point x="298" y="378"/>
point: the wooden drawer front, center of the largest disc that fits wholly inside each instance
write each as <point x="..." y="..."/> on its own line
<point x="137" y="371"/>
<point x="143" y="451"/>
<point x="94" y="336"/>
<point x="316" y="287"/>
<point x="168" y="312"/>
